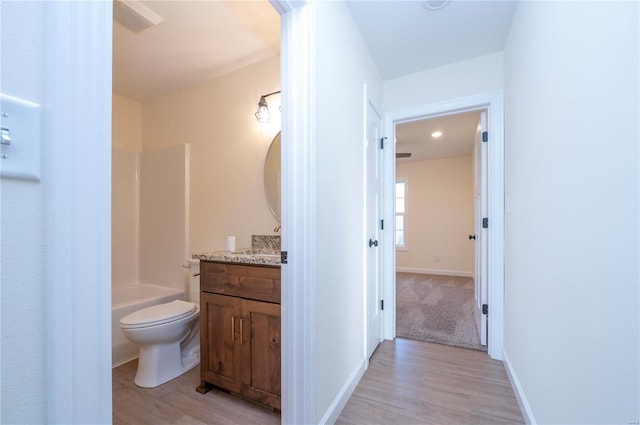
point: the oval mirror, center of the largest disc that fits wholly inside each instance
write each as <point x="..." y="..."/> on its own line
<point x="272" y="177"/>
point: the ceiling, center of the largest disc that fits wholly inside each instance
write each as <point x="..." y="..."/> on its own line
<point x="200" y="40"/>
<point x="404" y="37"/>
<point x="197" y="41"/>
<point x="458" y="132"/>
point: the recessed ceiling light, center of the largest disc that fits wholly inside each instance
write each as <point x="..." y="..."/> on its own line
<point x="434" y="4"/>
<point x="436" y="134"/>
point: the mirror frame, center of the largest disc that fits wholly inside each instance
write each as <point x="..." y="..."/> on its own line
<point x="272" y="177"/>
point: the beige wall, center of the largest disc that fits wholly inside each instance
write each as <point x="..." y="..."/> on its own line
<point x="228" y="147"/>
<point x="440" y="216"/>
<point x="126" y="125"/>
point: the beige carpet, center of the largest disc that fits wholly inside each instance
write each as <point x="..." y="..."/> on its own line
<point x="436" y="309"/>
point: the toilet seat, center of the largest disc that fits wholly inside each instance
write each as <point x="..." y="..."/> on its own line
<point x="158" y="314"/>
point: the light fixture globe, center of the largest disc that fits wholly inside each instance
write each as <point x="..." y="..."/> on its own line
<point x="262" y="114"/>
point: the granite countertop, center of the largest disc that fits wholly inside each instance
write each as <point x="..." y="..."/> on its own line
<point x="266" y="257"/>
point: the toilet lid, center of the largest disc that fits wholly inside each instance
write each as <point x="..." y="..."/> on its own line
<point x="159" y="314"/>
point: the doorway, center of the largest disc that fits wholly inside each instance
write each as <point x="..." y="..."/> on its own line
<point x="493" y="103"/>
<point x="438" y="233"/>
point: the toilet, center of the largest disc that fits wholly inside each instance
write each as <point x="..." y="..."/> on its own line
<point x="168" y="335"/>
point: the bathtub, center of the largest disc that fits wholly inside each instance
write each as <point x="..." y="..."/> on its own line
<point x="126" y="300"/>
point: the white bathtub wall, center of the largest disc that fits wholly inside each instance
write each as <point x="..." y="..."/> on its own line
<point x="124" y="217"/>
<point x="126" y="133"/>
<point x="164" y="200"/>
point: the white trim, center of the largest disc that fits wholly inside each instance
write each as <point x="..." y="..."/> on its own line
<point x="495" y="274"/>
<point x="493" y="102"/>
<point x="365" y="230"/>
<point x="284" y="6"/>
<point x="338" y="403"/>
<point x="298" y="278"/>
<point x="434" y="271"/>
<point x="77" y="179"/>
<point x="525" y="409"/>
<point x="405" y="214"/>
<point x="365" y="213"/>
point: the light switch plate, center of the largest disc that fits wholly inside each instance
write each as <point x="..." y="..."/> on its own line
<point x="21" y="123"/>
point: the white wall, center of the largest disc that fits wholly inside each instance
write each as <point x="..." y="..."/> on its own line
<point x="343" y="67"/>
<point x="22" y="255"/>
<point x="439" y="216"/>
<point x="164" y="197"/>
<point x="572" y="285"/>
<point x="149" y="208"/>
<point x="125" y="213"/>
<point x="126" y="140"/>
<point x="460" y="79"/>
<point x="47" y="314"/>
<point x="228" y="148"/>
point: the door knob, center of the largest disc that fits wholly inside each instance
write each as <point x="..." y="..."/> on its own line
<point x="472" y="237"/>
<point x="372" y="243"/>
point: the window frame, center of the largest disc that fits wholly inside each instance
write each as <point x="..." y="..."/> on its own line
<point x="405" y="214"/>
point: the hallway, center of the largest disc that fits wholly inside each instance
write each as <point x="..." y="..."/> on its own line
<point x="413" y="382"/>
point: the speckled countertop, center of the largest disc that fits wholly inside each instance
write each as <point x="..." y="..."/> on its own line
<point x="244" y="256"/>
<point x="265" y="249"/>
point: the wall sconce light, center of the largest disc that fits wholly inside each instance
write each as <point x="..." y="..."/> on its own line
<point x="262" y="114"/>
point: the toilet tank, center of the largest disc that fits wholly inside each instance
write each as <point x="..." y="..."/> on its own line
<point x="193" y="290"/>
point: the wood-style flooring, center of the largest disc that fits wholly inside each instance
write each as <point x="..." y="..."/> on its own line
<point x="408" y="382"/>
<point x="178" y="403"/>
<point x="414" y="382"/>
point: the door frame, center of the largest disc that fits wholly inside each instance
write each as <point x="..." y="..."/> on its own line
<point x="368" y="103"/>
<point x="493" y="102"/>
<point x="480" y="205"/>
<point x="77" y="181"/>
<point x="298" y="308"/>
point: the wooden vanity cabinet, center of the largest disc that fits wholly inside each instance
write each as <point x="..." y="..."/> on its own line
<point x="240" y="330"/>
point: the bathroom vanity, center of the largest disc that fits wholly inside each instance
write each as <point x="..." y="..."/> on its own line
<point x="240" y="326"/>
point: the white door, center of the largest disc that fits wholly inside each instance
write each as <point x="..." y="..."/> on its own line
<point x="480" y="193"/>
<point x="374" y="284"/>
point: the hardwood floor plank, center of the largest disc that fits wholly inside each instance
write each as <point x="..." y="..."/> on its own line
<point x="413" y="382"/>
<point x="177" y="403"/>
<point x="408" y="382"/>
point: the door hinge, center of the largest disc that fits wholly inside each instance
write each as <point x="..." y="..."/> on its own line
<point x="485" y="136"/>
<point x="283" y="257"/>
<point x="381" y="224"/>
<point x="485" y="309"/>
<point x="485" y="223"/>
<point x="382" y="139"/>
<point x="381" y="304"/>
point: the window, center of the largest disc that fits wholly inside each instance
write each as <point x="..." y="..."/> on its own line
<point x="401" y="213"/>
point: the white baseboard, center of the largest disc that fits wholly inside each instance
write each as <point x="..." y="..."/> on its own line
<point x="434" y="271"/>
<point x="334" y="410"/>
<point x="517" y="389"/>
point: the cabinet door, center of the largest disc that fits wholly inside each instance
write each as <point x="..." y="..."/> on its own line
<point x="220" y="340"/>
<point x="261" y="352"/>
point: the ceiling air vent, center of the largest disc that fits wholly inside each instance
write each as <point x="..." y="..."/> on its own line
<point x="134" y="15"/>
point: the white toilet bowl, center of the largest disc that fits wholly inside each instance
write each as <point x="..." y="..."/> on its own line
<point x="168" y="335"/>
